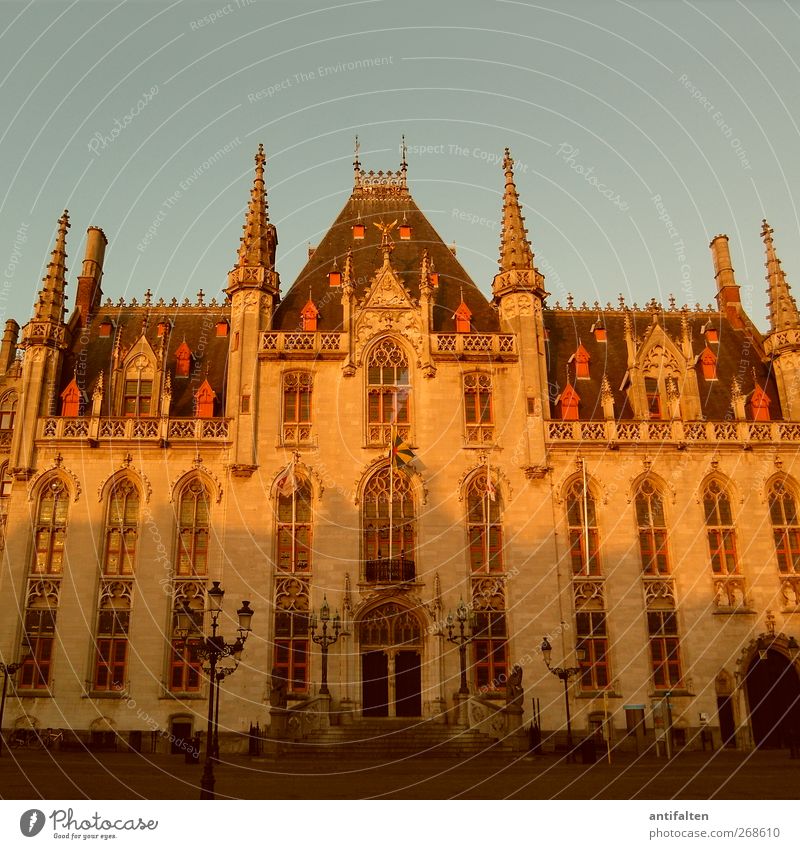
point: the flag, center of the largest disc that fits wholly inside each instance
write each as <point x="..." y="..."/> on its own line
<point x="491" y="491"/>
<point x="287" y="481"/>
<point x="400" y="453"/>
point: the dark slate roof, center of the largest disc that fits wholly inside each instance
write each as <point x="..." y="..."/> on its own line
<point x="367" y="259"/>
<point x="739" y="354"/>
<point x="90" y="353"/>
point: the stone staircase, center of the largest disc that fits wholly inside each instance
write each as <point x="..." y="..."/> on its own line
<point x="391" y="740"/>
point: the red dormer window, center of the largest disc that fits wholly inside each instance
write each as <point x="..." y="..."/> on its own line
<point x="569" y="400"/>
<point x="434" y="278"/>
<point x="712" y="334"/>
<point x="708" y="362"/>
<point x="334" y="276"/>
<point x="204" y="401"/>
<point x="222" y="327"/>
<point x="405" y="232"/>
<point x="759" y="405"/>
<point x="359" y="230"/>
<point x="309" y="315"/>
<point x="599" y="332"/>
<point x="106" y="326"/>
<point x="71" y="399"/>
<point x="163" y="327"/>
<point x="582" y="359"/>
<point x="463" y="316"/>
<point x="183" y="359"/>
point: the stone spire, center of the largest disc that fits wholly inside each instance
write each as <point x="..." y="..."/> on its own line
<point x="257" y="247"/>
<point x="782" y="307"/>
<point x="515" y="249"/>
<point x="50" y="306"/>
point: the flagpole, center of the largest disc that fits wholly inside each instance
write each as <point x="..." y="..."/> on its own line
<point x="586" y="517"/>
<point x="487" y="508"/>
<point x="391" y="488"/>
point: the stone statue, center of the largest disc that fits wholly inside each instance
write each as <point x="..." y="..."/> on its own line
<point x="514" y="691"/>
<point x="277" y="690"/>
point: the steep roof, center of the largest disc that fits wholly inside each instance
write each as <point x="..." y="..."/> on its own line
<point x="395" y="204"/>
<point x="739" y="355"/>
<point x="90" y="353"/>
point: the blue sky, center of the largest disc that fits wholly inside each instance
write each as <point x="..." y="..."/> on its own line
<point x="640" y="131"/>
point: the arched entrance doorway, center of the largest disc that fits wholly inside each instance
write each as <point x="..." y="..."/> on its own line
<point x="390" y="638"/>
<point x="773" y="692"/>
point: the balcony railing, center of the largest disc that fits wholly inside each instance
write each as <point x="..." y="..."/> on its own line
<point x="678" y="432"/>
<point x="131" y="428"/>
<point x="389" y="570"/>
<point x="275" y="343"/>
<point x="466" y="344"/>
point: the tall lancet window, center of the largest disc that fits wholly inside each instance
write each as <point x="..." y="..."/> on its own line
<point x="388" y="392"/>
<point x="720" y="530"/>
<point x="294" y="529"/>
<point x="652" y="530"/>
<point x="583" y="534"/>
<point x="388" y="519"/>
<point x="193" y="528"/>
<point x="484" y="511"/>
<point x="785" y="527"/>
<point x="138" y="388"/>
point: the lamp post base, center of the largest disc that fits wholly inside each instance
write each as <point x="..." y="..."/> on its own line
<point x="207" y="782"/>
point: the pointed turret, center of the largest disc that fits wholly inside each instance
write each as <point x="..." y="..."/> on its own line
<point x="515" y="249"/>
<point x="783" y="313"/>
<point x="253" y="287"/>
<point x="50" y="306"/>
<point x="517" y="272"/>
<point x="255" y="266"/>
<point x="782" y="343"/>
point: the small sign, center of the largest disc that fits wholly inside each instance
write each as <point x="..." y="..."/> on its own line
<point x="633" y="707"/>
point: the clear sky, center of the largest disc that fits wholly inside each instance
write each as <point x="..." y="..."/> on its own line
<point x="640" y="130"/>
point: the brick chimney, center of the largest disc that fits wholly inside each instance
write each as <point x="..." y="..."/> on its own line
<point x="728" y="298"/>
<point x="89" y="293"/>
<point x="8" y="348"/>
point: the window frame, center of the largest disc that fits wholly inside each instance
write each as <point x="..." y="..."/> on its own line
<point x="786" y="532"/>
<point x="293" y="528"/>
<point x="653" y="538"/>
<point x="577" y="533"/>
<point x="595" y="643"/>
<point x="721" y="535"/>
<point x="193" y="531"/>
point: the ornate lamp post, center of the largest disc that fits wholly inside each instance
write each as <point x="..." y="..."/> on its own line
<point x="564" y="673"/>
<point x="325" y="640"/>
<point x="212" y="650"/>
<point x="462" y="640"/>
<point x="9" y="669"/>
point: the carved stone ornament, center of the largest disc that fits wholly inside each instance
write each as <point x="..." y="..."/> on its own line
<point x="371" y="323"/>
<point x="125" y="468"/>
<point x="175" y="486"/>
<point x="56" y="464"/>
<point x="519" y="304"/>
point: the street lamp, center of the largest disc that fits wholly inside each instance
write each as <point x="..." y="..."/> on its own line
<point x="325" y="640"/>
<point x="564" y="673"/>
<point x="212" y="649"/>
<point x="462" y="640"/>
<point x="9" y="669"/>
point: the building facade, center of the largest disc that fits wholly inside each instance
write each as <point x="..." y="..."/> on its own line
<point x="619" y="478"/>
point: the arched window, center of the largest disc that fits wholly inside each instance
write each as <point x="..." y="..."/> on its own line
<point x="193" y="528"/>
<point x="297" y="386"/>
<point x="8" y="411"/>
<point x="184" y="662"/>
<point x="719" y="528"/>
<point x="5" y="493"/>
<point x="388" y="527"/>
<point x="478" y="414"/>
<point x="122" y="528"/>
<point x="51" y="528"/>
<point x="388" y="392"/>
<point x="490" y="646"/>
<point x="484" y="525"/>
<point x="785" y="527"/>
<point x="113" y="622"/>
<point x="138" y="390"/>
<point x="652" y="530"/>
<point x="294" y="530"/>
<point x="583" y="536"/>
<point x="291" y="631"/>
<point x="41" y="608"/>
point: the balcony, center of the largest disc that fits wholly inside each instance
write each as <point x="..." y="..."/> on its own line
<point x="459" y="346"/>
<point x="57" y="428"/>
<point x="389" y="570"/>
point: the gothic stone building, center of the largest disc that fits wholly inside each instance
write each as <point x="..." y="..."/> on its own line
<point x="621" y="479"/>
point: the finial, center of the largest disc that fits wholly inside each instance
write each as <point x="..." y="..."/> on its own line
<point x="403" y="163"/>
<point x="356" y="160"/>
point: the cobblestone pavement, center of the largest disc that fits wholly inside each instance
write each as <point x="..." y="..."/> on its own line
<point x="722" y="775"/>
